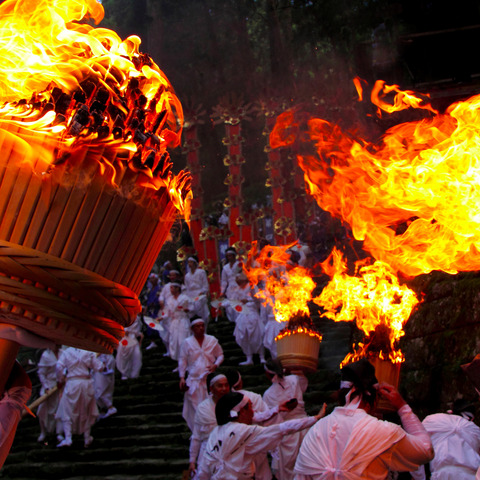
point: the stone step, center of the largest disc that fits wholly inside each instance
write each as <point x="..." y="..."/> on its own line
<point x="95" y="468"/>
<point x="148" y="439"/>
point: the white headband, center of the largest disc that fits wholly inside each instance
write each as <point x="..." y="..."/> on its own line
<point x="191" y="259"/>
<point x="234" y="411"/>
<point x="175" y="284"/>
<point x="197" y="321"/>
<point x="216" y="378"/>
<point x="346" y="384"/>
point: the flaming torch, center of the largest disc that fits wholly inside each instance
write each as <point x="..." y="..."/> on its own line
<point x="287" y="289"/>
<point x="374" y="299"/>
<point x="401" y="197"/>
<point x="87" y="193"/>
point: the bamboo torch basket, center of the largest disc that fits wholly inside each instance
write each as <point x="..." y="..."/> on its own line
<point x="298" y="350"/>
<point x="75" y="250"/>
<point x="387" y="372"/>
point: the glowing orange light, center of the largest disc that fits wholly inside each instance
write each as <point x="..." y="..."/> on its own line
<point x="412" y="197"/>
<point x="54" y="68"/>
<point x="286" y="288"/>
<point x="373" y="299"/>
<point x="307" y="331"/>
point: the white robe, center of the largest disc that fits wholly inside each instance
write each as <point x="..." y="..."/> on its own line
<point x="177" y="311"/>
<point x="271" y="328"/>
<point x="48" y="378"/>
<point x="263" y="415"/>
<point x="129" y="356"/>
<point x="77" y="404"/>
<point x="232" y="448"/>
<point x="456" y="442"/>
<point x="196" y="360"/>
<point x="197" y="288"/>
<point x="282" y="390"/>
<point x="248" y="331"/>
<point x="205" y="422"/>
<point x="349" y="444"/>
<point x="227" y="281"/>
<point x="104" y="381"/>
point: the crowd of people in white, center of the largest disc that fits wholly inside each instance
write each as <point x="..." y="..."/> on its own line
<point x="239" y="434"/>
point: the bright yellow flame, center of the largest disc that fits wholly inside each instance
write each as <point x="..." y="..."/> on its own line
<point x="413" y="197"/>
<point x="372" y="298"/>
<point x="53" y="63"/>
<point x="287" y="288"/>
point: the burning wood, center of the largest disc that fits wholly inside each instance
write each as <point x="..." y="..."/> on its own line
<point x="87" y="192"/>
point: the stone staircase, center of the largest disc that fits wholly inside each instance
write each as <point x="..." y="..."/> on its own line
<point x="148" y="439"/>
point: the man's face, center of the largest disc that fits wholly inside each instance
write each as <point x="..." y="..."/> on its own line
<point x="175" y="290"/>
<point x="230" y="257"/>
<point x="192" y="265"/>
<point x="220" y="388"/>
<point x="198" y="329"/>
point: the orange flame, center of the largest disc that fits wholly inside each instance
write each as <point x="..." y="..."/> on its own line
<point x="287" y="332"/>
<point x="55" y="66"/>
<point x="287" y="288"/>
<point x="402" y="196"/>
<point x="373" y="298"/>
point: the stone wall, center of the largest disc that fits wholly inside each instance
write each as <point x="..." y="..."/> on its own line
<point x="442" y="334"/>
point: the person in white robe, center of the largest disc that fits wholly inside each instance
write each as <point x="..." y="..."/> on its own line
<point x="129" y="354"/>
<point x="104" y="385"/>
<point x="13" y="400"/>
<point x="177" y="309"/>
<point x="271" y="328"/>
<point x="285" y="388"/>
<point x="200" y="354"/>
<point x="205" y="420"/>
<point x="198" y="289"/>
<point x="174" y="277"/>
<point x="77" y="409"/>
<point x="352" y="444"/>
<point x="248" y="331"/>
<point x="46" y="411"/>
<point x="456" y="441"/>
<point x="263" y="415"/>
<point x="235" y="443"/>
<point x="227" y="281"/>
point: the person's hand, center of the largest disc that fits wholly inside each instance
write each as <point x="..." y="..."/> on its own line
<point x="212" y="368"/>
<point x="391" y="394"/>
<point x="191" y="469"/>
<point x="321" y="412"/>
<point x="182" y="385"/>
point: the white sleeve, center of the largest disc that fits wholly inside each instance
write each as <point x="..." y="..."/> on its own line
<point x="260" y="417"/>
<point x="267" y="438"/>
<point x="415" y="447"/>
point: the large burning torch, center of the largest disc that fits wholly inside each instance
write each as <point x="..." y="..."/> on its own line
<point x="87" y="193"/>
<point x="287" y="289"/>
<point x="411" y="198"/>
